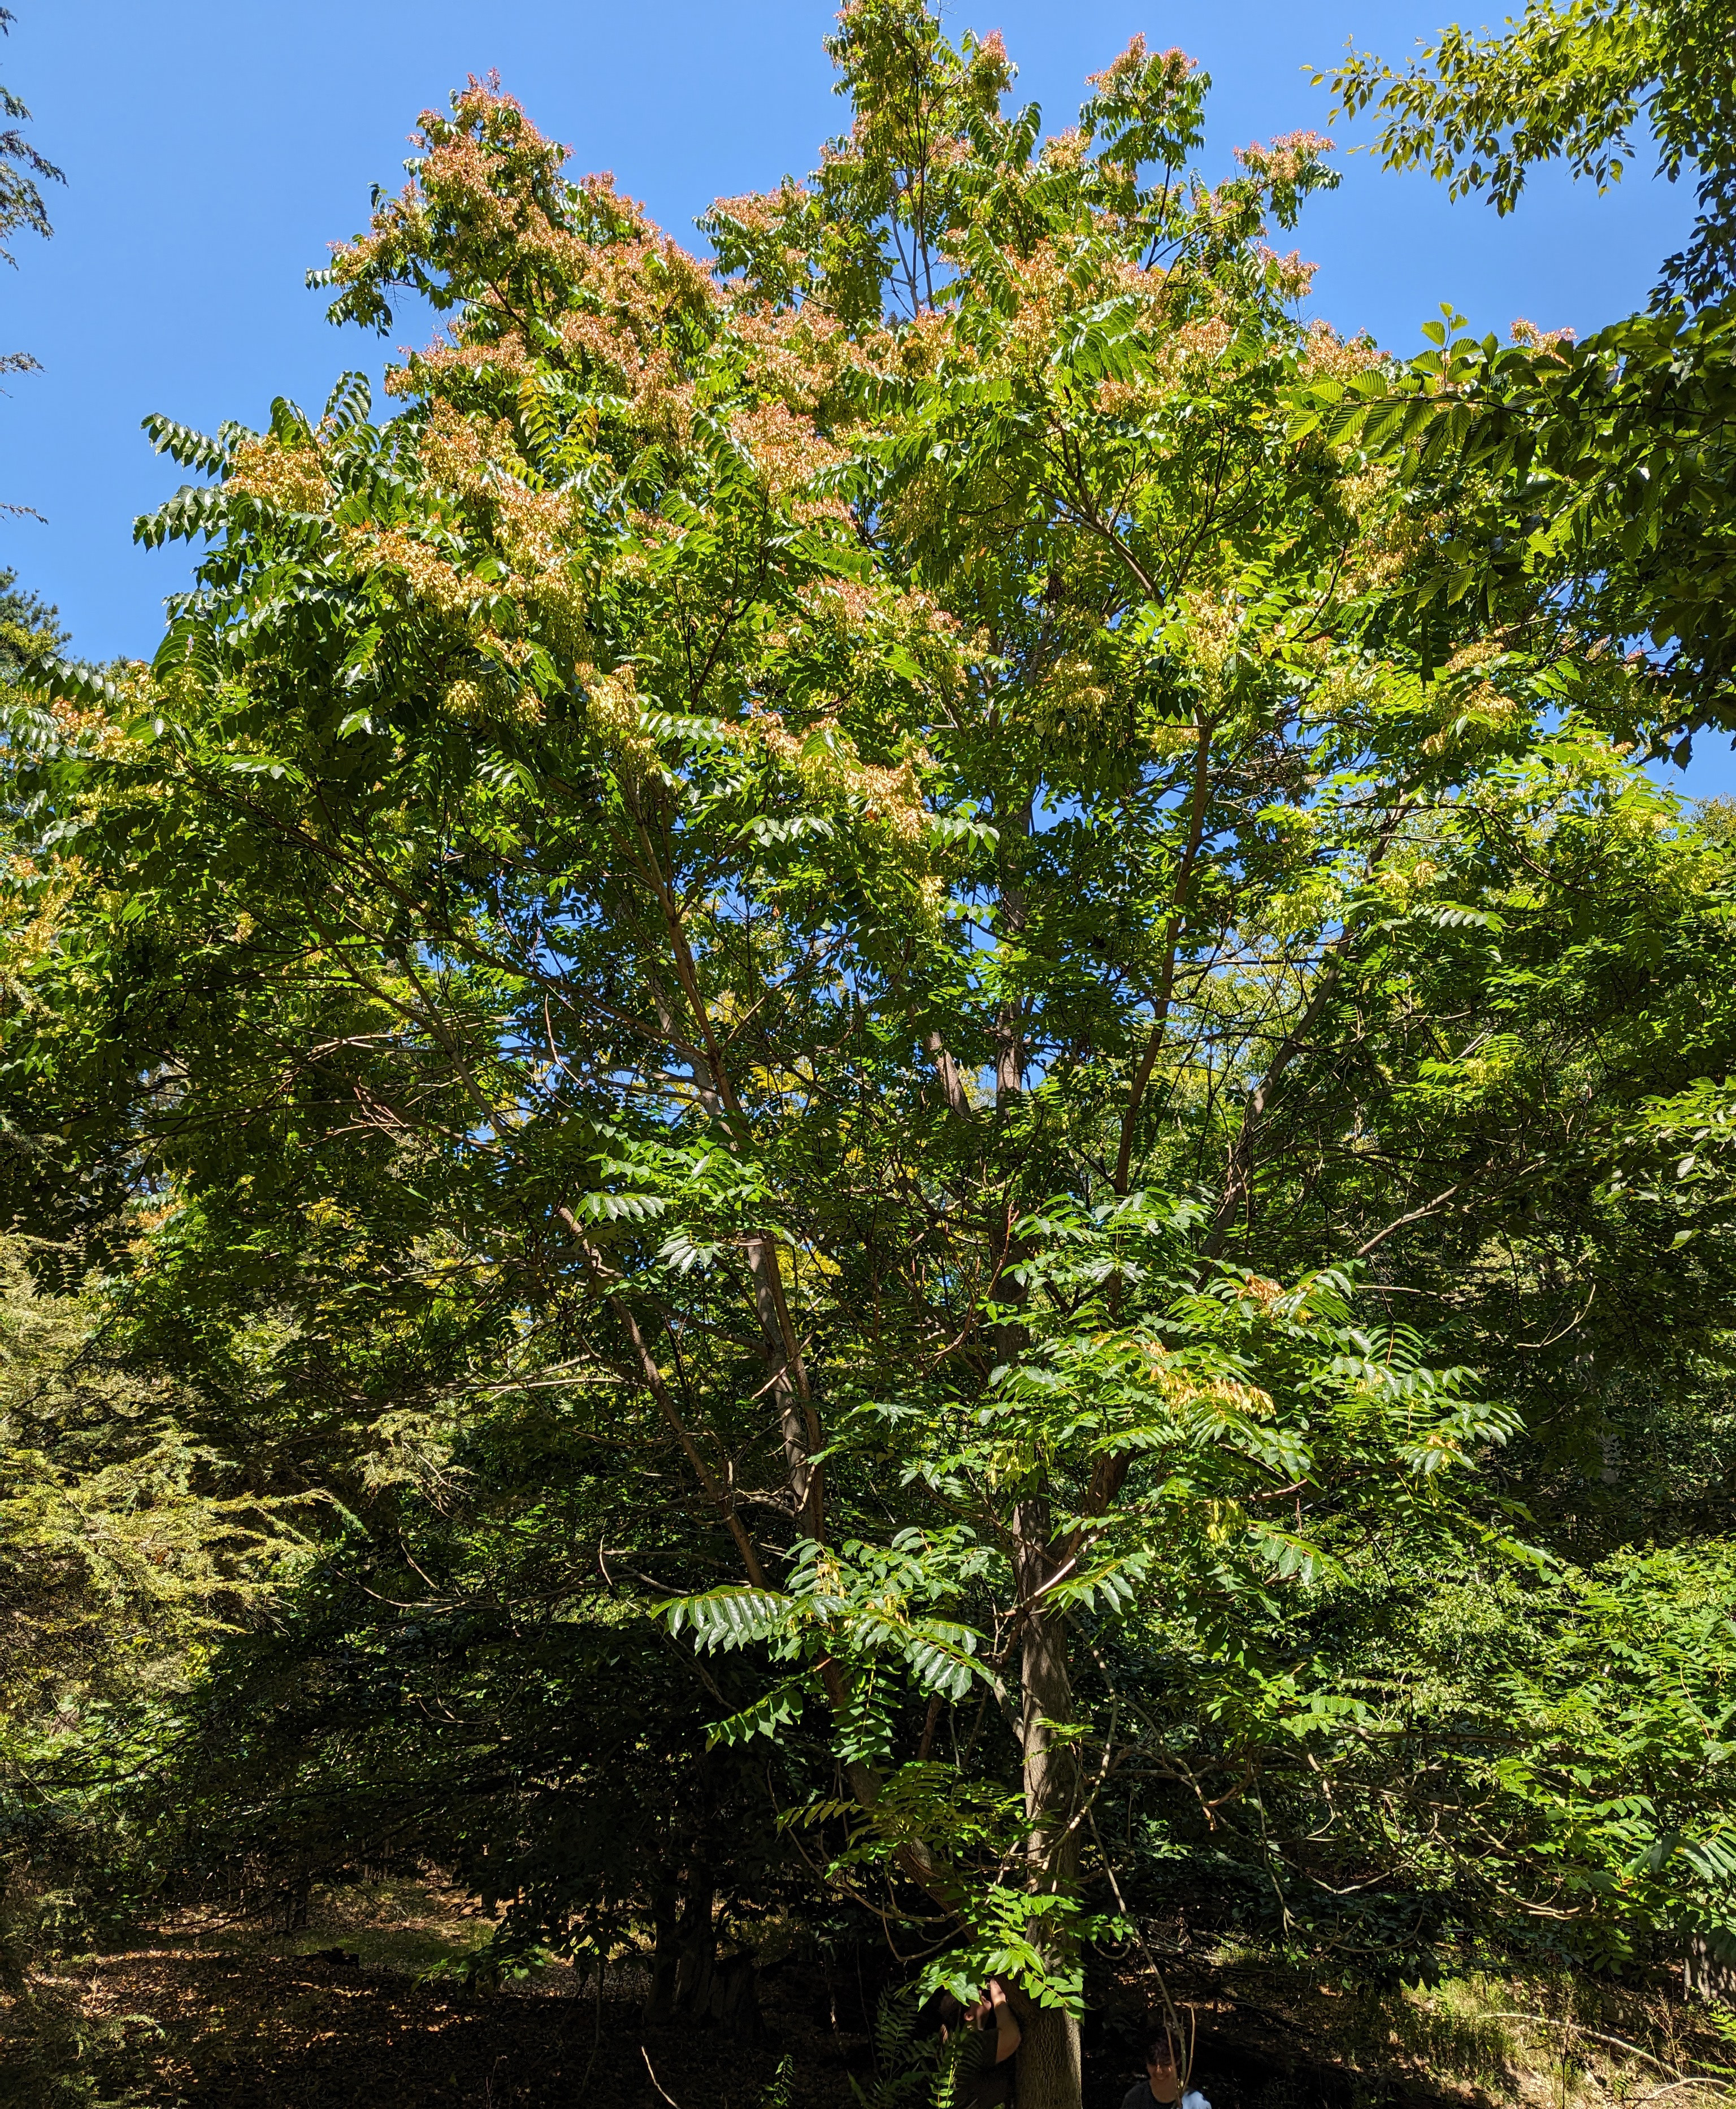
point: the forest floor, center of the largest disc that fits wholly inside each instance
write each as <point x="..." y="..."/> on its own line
<point x="207" y="2014"/>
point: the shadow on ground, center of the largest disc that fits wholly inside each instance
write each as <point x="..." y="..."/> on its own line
<point x="206" y="2014"/>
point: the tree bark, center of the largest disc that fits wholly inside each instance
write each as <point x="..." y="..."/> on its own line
<point x="1049" y="2069"/>
<point x="660" y="2001"/>
<point x="952" y="1077"/>
<point x="1049" y="2076"/>
<point x="696" y="1946"/>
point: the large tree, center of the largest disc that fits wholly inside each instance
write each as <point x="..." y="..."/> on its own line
<point x="864" y="872"/>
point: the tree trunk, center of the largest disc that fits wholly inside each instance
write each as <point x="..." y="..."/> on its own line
<point x="1049" y="2072"/>
<point x="683" y="1946"/>
<point x="696" y="1947"/>
<point x="660" y="2001"/>
<point x="734" y="2004"/>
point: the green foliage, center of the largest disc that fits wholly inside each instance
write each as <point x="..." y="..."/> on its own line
<point x="1612" y="453"/>
<point x="26" y="627"/>
<point x="29" y="631"/>
<point x="1600" y="467"/>
<point x="1576" y="1722"/>
<point x="22" y="172"/>
<point x="120" y="1557"/>
<point x="912" y="1022"/>
<point x="1575" y="82"/>
<point x="124" y="1557"/>
<point x="911" y="2063"/>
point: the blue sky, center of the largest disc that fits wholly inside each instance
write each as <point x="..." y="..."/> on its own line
<point x="213" y="148"/>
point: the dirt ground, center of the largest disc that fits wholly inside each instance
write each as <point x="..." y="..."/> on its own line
<point x="208" y="2014"/>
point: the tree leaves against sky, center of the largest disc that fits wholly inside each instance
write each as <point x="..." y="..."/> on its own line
<point x="870" y="904"/>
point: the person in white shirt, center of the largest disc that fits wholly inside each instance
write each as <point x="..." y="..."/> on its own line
<point x="1162" y="2084"/>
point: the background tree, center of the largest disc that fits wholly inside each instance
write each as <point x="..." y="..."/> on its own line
<point x="23" y="171"/>
<point x="1613" y="453"/>
<point x="1583" y="83"/>
<point x="29" y="629"/>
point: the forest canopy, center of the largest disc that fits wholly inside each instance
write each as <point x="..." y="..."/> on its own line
<point x="870" y="1090"/>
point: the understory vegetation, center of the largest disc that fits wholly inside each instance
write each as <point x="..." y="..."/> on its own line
<point x="872" y="1126"/>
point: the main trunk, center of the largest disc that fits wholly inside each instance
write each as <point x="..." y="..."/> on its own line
<point x="1049" y="2074"/>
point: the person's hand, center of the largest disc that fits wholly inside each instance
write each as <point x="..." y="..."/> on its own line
<point x="1008" y="2033"/>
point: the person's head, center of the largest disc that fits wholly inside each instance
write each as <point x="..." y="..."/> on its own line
<point x="1158" y="2048"/>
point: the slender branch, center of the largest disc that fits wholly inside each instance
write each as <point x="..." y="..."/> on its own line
<point x="799" y="1423"/>
<point x="952" y="1077"/>
<point x="1172" y="939"/>
<point x="666" y="1405"/>
<point x="1241" y="1179"/>
<point x="1416" y="1216"/>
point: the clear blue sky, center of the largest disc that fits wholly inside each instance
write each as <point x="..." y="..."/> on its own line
<point x="213" y="148"/>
